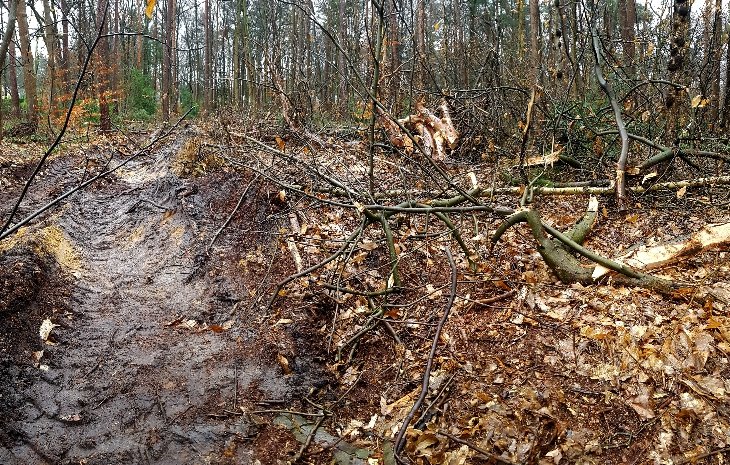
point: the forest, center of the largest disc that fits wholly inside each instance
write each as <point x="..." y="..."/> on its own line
<point x="364" y="232"/>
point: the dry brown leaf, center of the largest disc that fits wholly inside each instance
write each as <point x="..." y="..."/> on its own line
<point x="284" y="364"/>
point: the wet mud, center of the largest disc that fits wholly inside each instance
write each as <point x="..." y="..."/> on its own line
<point x="158" y="343"/>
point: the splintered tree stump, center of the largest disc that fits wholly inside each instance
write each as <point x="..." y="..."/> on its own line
<point x="435" y="134"/>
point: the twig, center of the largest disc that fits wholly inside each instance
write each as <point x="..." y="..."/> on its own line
<point x="494" y="299"/>
<point x="399" y="439"/>
<point x="353" y="237"/>
<point x="696" y="458"/>
<point x="308" y="441"/>
<point x="370" y="324"/>
<point x="233" y="212"/>
<point x="289" y="412"/>
<point x="476" y="448"/>
<point x="435" y="400"/>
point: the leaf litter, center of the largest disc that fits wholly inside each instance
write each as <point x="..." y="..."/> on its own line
<point x="551" y="373"/>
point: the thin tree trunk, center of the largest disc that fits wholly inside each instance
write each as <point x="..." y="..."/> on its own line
<point x="208" y="71"/>
<point x="103" y="70"/>
<point x="726" y="102"/>
<point x="715" y="70"/>
<point x="534" y="42"/>
<point x="66" y="60"/>
<point x="4" y="45"/>
<point x="420" y="38"/>
<point x="167" y="52"/>
<point x="341" y="68"/>
<point x="13" y="77"/>
<point x="26" y="57"/>
<point x="627" y="18"/>
<point x="49" y="37"/>
<point x="676" y="96"/>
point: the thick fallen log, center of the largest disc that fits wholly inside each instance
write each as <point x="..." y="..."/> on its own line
<point x="650" y="258"/>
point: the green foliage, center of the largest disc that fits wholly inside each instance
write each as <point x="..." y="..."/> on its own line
<point x="187" y="100"/>
<point x="90" y="111"/>
<point x="141" y="101"/>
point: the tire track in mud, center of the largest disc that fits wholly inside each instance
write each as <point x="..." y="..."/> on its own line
<point x="122" y="387"/>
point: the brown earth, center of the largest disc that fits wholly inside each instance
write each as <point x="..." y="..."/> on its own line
<point x="166" y="351"/>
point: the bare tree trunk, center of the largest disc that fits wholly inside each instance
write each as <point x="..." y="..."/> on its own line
<point x="715" y="56"/>
<point x="66" y="60"/>
<point x="208" y="71"/>
<point x="726" y="99"/>
<point x="627" y="19"/>
<point x="579" y="81"/>
<point x="237" y="52"/>
<point x="341" y="67"/>
<point x="676" y="96"/>
<point x="4" y="45"/>
<point x="49" y="37"/>
<point x="167" y="52"/>
<point x="420" y="46"/>
<point x="13" y="78"/>
<point x="395" y="57"/>
<point x="534" y="42"/>
<point x="102" y="69"/>
<point x="26" y="57"/>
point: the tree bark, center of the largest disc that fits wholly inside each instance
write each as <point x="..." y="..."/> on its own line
<point x="4" y="45"/>
<point x="167" y="51"/>
<point x="208" y="71"/>
<point x="13" y="77"/>
<point x="627" y="18"/>
<point x="676" y="97"/>
<point x="103" y="70"/>
<point x="420" y="62"/>
<point x="534" y="42"/>
<point x="49" y="37"/>
<point x="715" y="56"/>
<point x="26" y="57"/>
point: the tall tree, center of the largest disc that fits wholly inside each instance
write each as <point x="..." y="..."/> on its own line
<point x="534" y="42"/>
<point x="677" y="94"/>
<point x="26" y="57"/>
<point x="341" y="60"/>
<point x="420" y="62"/>
<point x="627" y="19"/>
<point x="103" y="66"/>
<point x="208" y="68"/>
<point x="4" y="45"/>
<point x="167" y="59"/>
<point x="13" y="76"/>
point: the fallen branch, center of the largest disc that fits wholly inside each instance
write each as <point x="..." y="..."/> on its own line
<point x="309" y="439"/>
<point x="557" y="255"/>
<point x="233" y="212"/>
<point x="400" y="437"/>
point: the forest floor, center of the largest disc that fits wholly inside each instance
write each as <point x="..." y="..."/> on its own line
<point x="133" y="329"/>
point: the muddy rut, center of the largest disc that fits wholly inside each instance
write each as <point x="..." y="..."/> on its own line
<point x="128" y="380"/>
